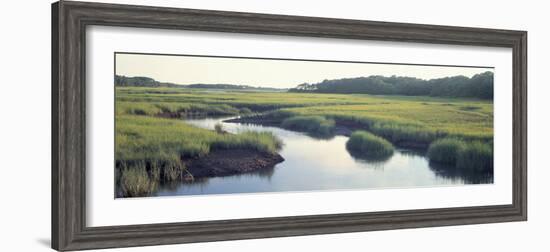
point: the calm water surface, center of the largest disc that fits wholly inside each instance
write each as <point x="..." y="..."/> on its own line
<point x="323" y="164"/>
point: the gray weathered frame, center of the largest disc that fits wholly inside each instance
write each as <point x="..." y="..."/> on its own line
<point x="69" y="20"/>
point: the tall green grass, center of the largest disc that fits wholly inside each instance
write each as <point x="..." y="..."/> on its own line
<point x="463" y="154"/>
<point x="136" y="182"/>
<point x="252" y="140"/>
<point x="151" y="138"/>
<point x="446" y="150"/>
<point x="315" y="125"/>
<point x="476" y="156"/>
<point x="366" y="144"/>
<point x="398" y="133"/>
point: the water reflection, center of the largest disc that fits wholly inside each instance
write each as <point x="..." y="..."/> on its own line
<point x="468" y="176"/>
<point x="413" y="152"/>
<point x="375" y="161"/>
<point x="324" y="164"/>
<point x="264" y="174"/>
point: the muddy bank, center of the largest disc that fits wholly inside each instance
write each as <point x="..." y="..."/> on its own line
<point x="140" y="178"/>
<point x="231" y="162"/>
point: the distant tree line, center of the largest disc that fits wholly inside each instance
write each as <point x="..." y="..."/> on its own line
<point x="219" y="86"/>
<point x="140" y="81"/>
<point x="478" y="86"/>
<point x="235" y="87"/>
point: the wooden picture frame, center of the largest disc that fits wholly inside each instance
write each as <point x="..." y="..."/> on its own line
<point x="69" y="20"/>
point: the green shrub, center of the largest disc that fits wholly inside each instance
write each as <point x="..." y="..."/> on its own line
<point x="316" y="125"/>
<point x="368" y="145"/>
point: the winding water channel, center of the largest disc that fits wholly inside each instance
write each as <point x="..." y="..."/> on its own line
<point x="322" y="164"/>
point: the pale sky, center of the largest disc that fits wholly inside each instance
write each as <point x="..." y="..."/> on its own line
<point x="266" y="72"/>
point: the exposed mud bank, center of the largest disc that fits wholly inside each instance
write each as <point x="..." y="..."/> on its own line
<point x="231" y="162"/>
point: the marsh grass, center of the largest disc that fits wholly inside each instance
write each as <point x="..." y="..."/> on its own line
<point x="136" y="182"/>
<point x="174" y="109"/>
<point x="253" y="101"/>
<point x="362" y="143"/>
<point x="397" y="133"/>
<point x="446" y="150"/>
<point x="150" y="138"/>
<point x="219" y="128"/>
<point x="476" y="156"/>
<point x="252" y="140"/>
<point x="397" y="118"/>
<point x="150" y="146"/>
<point x="408" y="120"/>
<point x="157" y="147"/>
<point x="462" y="154"/>
<point x="314" y="125"/>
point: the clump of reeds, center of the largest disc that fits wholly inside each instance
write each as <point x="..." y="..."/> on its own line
<point x="476" y="156"/>
<point x="463" y="154"/>
<point x="368" y="145"/>
<point x="446" y="150"/>
<point x="136" y="182"/>
<point x="219" y="128"/>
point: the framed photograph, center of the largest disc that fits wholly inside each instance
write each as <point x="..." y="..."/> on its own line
<point x="178" y="125"/>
